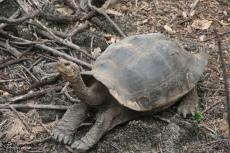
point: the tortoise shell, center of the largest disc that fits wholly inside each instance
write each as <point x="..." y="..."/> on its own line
<point x="148" y="71"/>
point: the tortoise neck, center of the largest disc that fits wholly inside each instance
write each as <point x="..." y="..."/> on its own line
<point x="79" y="87"/>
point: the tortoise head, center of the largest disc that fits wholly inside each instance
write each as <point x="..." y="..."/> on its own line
<point x="67" y="69"/>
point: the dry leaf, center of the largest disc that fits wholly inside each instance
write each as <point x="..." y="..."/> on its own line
<point x="113" y="12"/>
<point x="201" y="24"/>
<point x="124" y="8"/>
<point x="202" y="37"/>
<point x="12" y="128"/>
<point x="6" y="94"/>
<point x="184" y="14"/>
<point x="224" y="24"/>
<point x="92" y="29"/>
<point x="96" y="52"/>
<point x="65" y="10"/>
<point x="110" y="38"/>
<point x="168" y="29"/>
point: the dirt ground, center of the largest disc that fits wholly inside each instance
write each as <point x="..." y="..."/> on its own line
<point x="192" y="25"/>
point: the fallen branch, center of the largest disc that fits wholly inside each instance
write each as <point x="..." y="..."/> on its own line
<point x="13" y="16"/>
<point x="100" y="11"/>
<point x="37" y="84"/>
<point x="63" y="55"/>
<point x="226" y="85"/>
<point x="76" y="30"/>
<point x="13" y="51"/>
<point x="62" y="41"/>
<point x="32" y="94"/>
<point x="34" y="106"/>
<point x="35" y="141"/>
<point x="15" y="61"/>
<point x="64" y="90"/>
<point x="60" y="18"/>
<point x="219" y="35"/>
<point x="40" y="83"/>
<point x="10" y="80"/>
<point x="192" y="11"/>
<point x="72" y="4"/>
<point x="49" y="49"/>
<point x="19" y="20"/>
<point x="210" y="107"/>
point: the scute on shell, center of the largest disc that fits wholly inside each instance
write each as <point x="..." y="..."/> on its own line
<point x="148" y="71"/>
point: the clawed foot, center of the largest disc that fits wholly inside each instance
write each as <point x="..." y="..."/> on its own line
<point x="189" y="103"/>
<point x="62" y="136"/>
<point x="106" y="120"/>
<point x="187" y="110"/>
<point x="81" y="146"/>
<point x="69" y="123"/>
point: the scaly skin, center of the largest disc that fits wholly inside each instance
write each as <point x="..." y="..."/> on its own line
<point x="110" y="112"/>
<point x="189" y="103"/>
<point x="71" y="120"/>
<point x="94" y="95"/>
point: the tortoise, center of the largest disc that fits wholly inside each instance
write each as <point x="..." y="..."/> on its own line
<point x="139" y="75"/>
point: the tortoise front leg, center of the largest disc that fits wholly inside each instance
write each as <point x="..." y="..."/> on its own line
<point x="71" y="120"/>
<point x="189" y="103"/>
<point x="106" y="120"/>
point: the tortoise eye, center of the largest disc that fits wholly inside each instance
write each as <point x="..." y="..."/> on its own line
<point x="67" y="64"/>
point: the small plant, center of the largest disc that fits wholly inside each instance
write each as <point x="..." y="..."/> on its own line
<point x="198" y="116"/>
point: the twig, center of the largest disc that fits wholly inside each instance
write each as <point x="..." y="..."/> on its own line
<point x="60" y="40"/>
<point x="210" y="107"/>
<point x="47" y="35"/>
<point x="208" y="129"/>
<point x="136" y="1"/>
<point x="89" y="15"/>
<point x="193" y="7"/>
<point x="188" y="18"/>
<point x="32" y="94"/>
<point x="53" y="51"/>
<point x="91" y="44"/>
<point x="21" y="119"/>
<point x="38" y="84"/>
<point x="10" y="80"/>
<point x="65" y="42"/>
<point x="60" y="18"/>
<point x="100" y="11"/>
<point x="35" y="63"/>
<point x="13" y="51"/>
<point x="35" y="141"/>
<point x="31" y="74"/>
<point x="225" y="79"/>
<point x="15" y="61"/>
<point x="30" y="43"/>
<point x="109" y="3"/>
<point x="219" y="35"/>
<point x="64" y="90"/>
<point x="162" y="119"/>
<point x="213" y="141"/>
<point x="34" y="106"/>
<point x="19" y="20"/>
<point x="72" y="4"/>
<point x="13" y="16"/>
<point x="76" y="30"/>
<point x="63" y="55"/>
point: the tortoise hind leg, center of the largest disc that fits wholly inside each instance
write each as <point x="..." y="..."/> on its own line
<point x="106" y="120"/>
<point x="71" y="120"/>
<point x="189" y="103"/>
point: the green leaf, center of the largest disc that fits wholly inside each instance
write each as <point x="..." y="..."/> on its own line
<point x="198" y="116"/>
